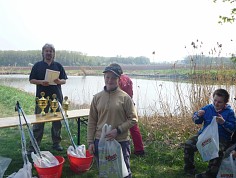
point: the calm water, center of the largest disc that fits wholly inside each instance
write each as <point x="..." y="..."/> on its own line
<point x="149" y="95"/>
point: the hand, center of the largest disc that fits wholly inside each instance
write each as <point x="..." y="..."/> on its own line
<point x="44" y="83"/>
<point x="200" y="113"/>
<point x="111" y="135"/>
<point x="91" y="148"/>
<point x="220" y="119"/>
<point x="57" y="81"/>
<point x="234" y="154"/>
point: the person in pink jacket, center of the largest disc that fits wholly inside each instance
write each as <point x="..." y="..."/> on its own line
<point x="126" y="84"/>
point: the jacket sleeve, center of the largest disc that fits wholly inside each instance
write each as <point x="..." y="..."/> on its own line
<point x="196" y="119"/>
<point x="199" y="120"/>
<point x="92" y="122"/>
<point x="131" y="114"/>
<point x="230" y="122"/>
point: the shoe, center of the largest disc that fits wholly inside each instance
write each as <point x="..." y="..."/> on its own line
<point x="139" y="153"/>
<point x="57" y="147"/>
<point x="203" y="175"/>
<point x="190" y="172"/>
<point x="30" y="150"/>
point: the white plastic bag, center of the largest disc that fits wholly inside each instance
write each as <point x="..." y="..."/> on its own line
<point x="80" y="151"/>
<point x="47" y="160"/>
<point x="4" y="163"/>
<point x="227" y="168"/>
<point x="111" y="160"/>
<point x="25" y="172"/>
<point x="208" y="141"/>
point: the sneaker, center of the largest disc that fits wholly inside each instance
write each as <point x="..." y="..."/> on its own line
<point x="57" y="147"/>
<point x="30" y="150"/>
<point x="139" y="153"/>
<point x="190" y="172"/>
<point x="203" y="175"/>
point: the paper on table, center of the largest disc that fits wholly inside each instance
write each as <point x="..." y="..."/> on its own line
<point x="51" y="75"/>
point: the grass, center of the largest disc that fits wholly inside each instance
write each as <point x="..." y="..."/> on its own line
<point x="8" y="99"/>
<point x="163" y="139"/>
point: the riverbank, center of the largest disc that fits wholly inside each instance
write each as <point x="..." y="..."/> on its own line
<point x="160" y="71"/>
<point x="156" y="72"/>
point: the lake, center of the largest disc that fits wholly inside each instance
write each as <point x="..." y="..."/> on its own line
<point x="150" y="95"/>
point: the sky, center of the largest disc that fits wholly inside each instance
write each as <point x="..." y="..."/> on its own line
<point x="109" y="28"/>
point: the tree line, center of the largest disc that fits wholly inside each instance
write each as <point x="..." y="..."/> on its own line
<point x="202" y="60"/>
<point x="72" y="58"/>
<point x="66" y="58"/>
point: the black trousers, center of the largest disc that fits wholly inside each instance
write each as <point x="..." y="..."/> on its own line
<point x="213" y="165"/>
<point x="38" y="129"/>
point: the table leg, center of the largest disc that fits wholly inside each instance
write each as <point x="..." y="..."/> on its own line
<point x="78" y="134"/>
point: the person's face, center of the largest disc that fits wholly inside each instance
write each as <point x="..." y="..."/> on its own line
<point x="111" y="81"/>
<point x="218" y="102"/>
<point x="48" y="54"/>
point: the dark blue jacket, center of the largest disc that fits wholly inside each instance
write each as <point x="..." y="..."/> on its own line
<point x="38" y="72"/>
<point x="225" y="130"/>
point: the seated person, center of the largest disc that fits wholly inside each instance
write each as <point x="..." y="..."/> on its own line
<point x="226" y="126"/>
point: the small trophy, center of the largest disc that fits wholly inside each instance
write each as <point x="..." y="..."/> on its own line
<point x="54" y="104"/>
<point x="42" y="103"/>
<point x="65" y="105"/>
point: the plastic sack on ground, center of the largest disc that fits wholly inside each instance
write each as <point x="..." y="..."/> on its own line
<point x="25" y="172"/>
<point x="208" y="141"/>
<point x="4" y="163"/>
<point x="80" y="151"/>
<point x="47" y="159"/>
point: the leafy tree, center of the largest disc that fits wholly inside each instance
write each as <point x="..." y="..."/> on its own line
<point x="231" y="18"/>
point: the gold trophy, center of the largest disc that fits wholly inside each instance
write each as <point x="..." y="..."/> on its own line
<point x="42" y="102"/>
<point x="54" y="104"/>
<point x="65" y="105"/>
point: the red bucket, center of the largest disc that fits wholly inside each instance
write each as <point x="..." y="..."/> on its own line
<point x="80" y="165"/>
<point x="51" y="172"/>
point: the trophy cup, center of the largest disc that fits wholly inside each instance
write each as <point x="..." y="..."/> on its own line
<point x="54" y="104"/>
<point x="42" y="103"/>
<point x="65" y="105"/>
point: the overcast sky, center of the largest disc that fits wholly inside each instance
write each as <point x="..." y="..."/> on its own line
<point x="116" y="27"/>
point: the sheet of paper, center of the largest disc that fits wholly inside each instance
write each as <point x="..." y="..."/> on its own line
<point x="51" y="75"/>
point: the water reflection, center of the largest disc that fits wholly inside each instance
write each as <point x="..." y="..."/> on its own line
<point x="150" y="96"/>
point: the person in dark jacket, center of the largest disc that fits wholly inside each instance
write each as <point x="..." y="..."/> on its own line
<point x="226" y="126"/>
<point x="37" y="77"/>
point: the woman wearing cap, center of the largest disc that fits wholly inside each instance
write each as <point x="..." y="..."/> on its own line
<point x="114" y="107"/>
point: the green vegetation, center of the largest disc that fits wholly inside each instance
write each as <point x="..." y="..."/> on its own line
<point x="66" y="58"/>
<point x="10" y="58"/>
<point x="229" y="18"/>
<point x="163" y="138"/>
<point x="8" y="99"/>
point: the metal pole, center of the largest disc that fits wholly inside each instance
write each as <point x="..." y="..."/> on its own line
<point x="78" y="134"/>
